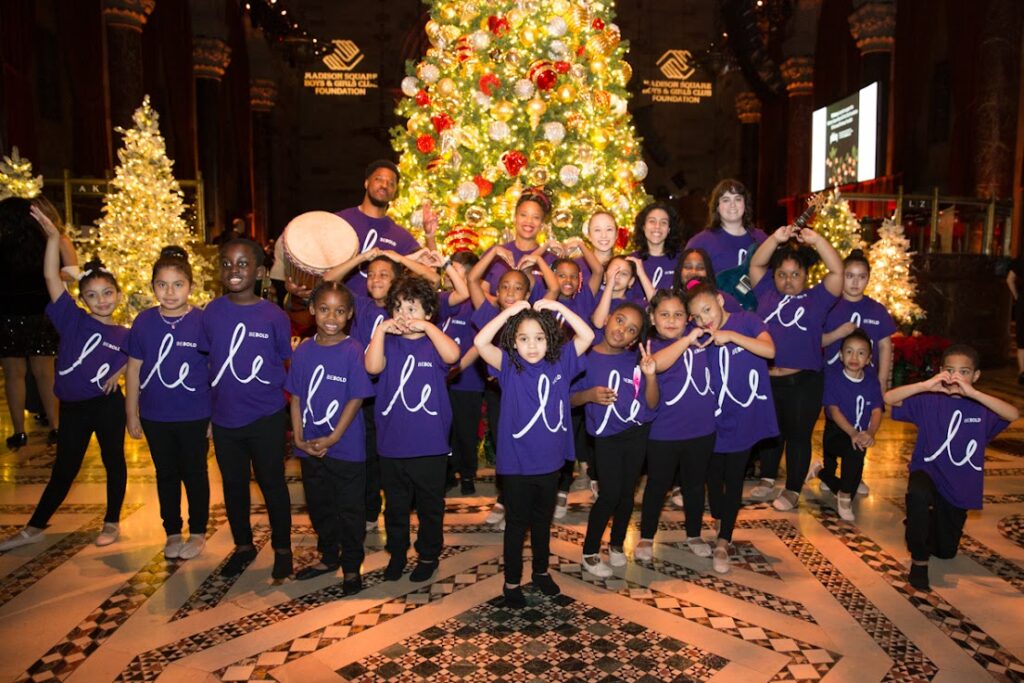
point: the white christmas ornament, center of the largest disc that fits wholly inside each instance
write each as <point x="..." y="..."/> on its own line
<point x="468" y="191"/>
<point x="523" y="88"/>
<point x="482" y="100"/>
<point x="430" y="73"/>
<point x="554" y="132"/>
<point x="639" y="170"/>
<point x="410" y="86"/>
<point x="498" y="130"/>
<point x="557" y="27"/>
<point x="557" y="49"/>
<point x="481" y="40"/>
<point x="569" y="175"/>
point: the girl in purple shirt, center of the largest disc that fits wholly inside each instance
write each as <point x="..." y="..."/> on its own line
<point x="730" y="234"/>
<point x="535" y="370"/>
<point x="658" y="237"/>
<point x="328" y="382"/>
<point x="602" y="232"/>
<point x="744" y="414"/>
<point x="168" y="400"/>
<point x="695" y="264"/>
<point x="619" y="279"/>
<point x="248" y="340"/>
<point x="412" y="356"/>
<point x="532" y="209"/>
<point x="795" y="316"/>
<point x="90" y="360"/>
<point x="619" y="392"/>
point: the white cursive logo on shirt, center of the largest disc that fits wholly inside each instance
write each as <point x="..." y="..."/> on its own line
<point x="166" y="344"/>
<point x="689" y="382"/>
<point x="947" y="445"/>
<point x="237" y="339"/>
<point x="369" y="242"/>
<point x="407" y="369"/>
<point x="659" y="272"/>
<point x="614" y="380"/>
<point x="795" y="320"/>
<point x="90" y="345"/>
<point x="741" y="256"/>
<point x="753" y="381"/>
<point x="859" y="413"/>
<point x="543" y="392"/>
<point x="332" y="408"/>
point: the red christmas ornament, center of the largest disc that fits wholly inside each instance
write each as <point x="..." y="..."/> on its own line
<point x="489" y="83"/>
<point x="442" y="122"/>
<point x="562" y="67"/>
<point x="622" y="239"/>
<point x="425" y="144"/>
<point x="498" y="25"/>
<point x="422" y="98"/>
<point x="597" y="24"/>
<point x="546" y="79"/>
<point x="580" y="50"/>
<point x="515" y="161"/>
<point x="483" y="185"/>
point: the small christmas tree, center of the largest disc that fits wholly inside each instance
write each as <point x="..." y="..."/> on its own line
<point x="839" y="225"/>
<point x="141" y="215"/>
<point x="515" y="94"/>
<point x="892" y="283"/>
<point x="16" y="179"/>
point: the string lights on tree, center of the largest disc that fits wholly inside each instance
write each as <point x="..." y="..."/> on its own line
<point x="837" y="223"/>
<point x="16" y="179"/>
<point x="892" y="282"/>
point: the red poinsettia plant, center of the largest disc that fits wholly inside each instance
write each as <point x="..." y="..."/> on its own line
<point x="916" y="357"/>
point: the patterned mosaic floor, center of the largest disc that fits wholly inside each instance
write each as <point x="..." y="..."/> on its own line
<point x="809" y="598"/>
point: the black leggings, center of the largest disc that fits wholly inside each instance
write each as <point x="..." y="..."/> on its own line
<point x="104" y="416"/>
<point x="373" y="502"/>
<point x="686" y="461"/>
<point x="725" y="488"/>
<point x="619" y="458"/>
<point x="531" y="504"/>
<point x="259" y="445"/>
<point x="836" y="444"/>
<point x="492" y="397"/>
<point x="334" y="496"/>
<point x="179" y="451"/>
<point x="797" y="405"/>
<point x="934" y="525"/>
<point x="465" y="422"/>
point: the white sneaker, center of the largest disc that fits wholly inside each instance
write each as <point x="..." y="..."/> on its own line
<point x="193" y="546"/>
<point x="172" y="548"/>
<point x="500" y="526"/>
<point x="108" y="535"/>
<point x="497" y="514"/>
<point x="862" y="489"/>
<point x="677" y="497"/>
<point x="593" y="490"/>
<point x="26" y="536"/>
<point x="816" y="467"/>
<point x="720" y="560"/>
<point x="616" y="558"/>
<point x="561" y="505"/>
<point x="593" y="565"/>
<point x="764" y="490"/>
<point x="844" y="506"/>
<point x="371" y="526"/>
<point x="644" y="550"/>
<point x="785" y="501"/>
<point x="698" y="546"/>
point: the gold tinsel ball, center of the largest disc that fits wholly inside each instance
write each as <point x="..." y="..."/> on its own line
<point x="537" y="176"/>
<point x="598" y="45"/>
<point x="503" y="110"/>
<point x="446" y="87"/>
<point x="599" y="138"/>
<point x="602" y="99"/>
<point x="448" y="12"/>
<point x="536" y="107"/>
<point x="599" y="65"/>
<point x="542" y="152"/>
<point x="515" y="17"/>
<point x="475" y="214"/>
<point x="577" y="17"/>
<point x="559" y="7"/>
<point x="566" y="93"/>
<point x="527" y="37"/>
<point x="450" y="32"/>
<point x="585" y="204"/>
<point x="433" y="31"/>
<point x="561" y="218"/>
<point x="626" y="72"/>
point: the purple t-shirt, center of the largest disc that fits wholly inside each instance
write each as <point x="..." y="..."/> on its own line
<point x="382" y="233"/>
<point x="868" y="315"/>
<point x="498" y="268"/>
<point x="90" y="352"/>
<point x="582" y="304"/>
<point x="248" y="346"/>
<point x="325" y="378"/>
<point x="796" y="322"/>
<point x="535" y="435"/>
<point x="660" y="270"/>
<point x="457" y="323"/>
<point x="952" y="433"/>
<point x="368" y="316"/>
<point x="726" y="251"/>
<point x="412" y="410"/>
<point x="619" y="372"/>
<point x="854" y="398"/>
<point x="686" y="409"/>
<point x="745" y="412"/>
<point x="483" y="315"/>
<point x="174" y="379"/>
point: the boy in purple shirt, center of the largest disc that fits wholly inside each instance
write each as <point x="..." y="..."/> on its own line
<point x="248" y="340"/>
<point x="411" y="355"/>
<point x="955" y="421"/>
<point x="328" y="382"/>
<point x="853" y="412"/>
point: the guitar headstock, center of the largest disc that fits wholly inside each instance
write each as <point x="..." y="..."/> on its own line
<point x="814" y="203"/>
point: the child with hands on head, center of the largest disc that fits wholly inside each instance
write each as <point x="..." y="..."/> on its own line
<point x="602" y="232"/>
<point x="168" y="399"/>
<point x="412" y="356"/>
<point x="534" y="369"/>
<point x="90" y="361"/>
<point x="619" y="392"/>
<point x="955" y="422"/>
<point x="619" y="278"/>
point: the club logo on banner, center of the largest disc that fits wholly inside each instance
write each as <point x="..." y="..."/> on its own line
<point x="677" y="67"/>
<point x="341" y="79"/>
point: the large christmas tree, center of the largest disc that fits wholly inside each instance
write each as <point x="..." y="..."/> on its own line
<point x="515" y="94"/>
<point x="892" y="282"/>
<point x="142" y="214"/>
<point x="837" y="223"/>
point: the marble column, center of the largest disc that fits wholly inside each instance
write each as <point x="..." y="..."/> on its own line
<point x="748" y="111"/>
<point x="798" y="72"/>
<point x="873" y="26"/>
<point x="124" y="21"/>
<point x="210" y="59"/>
<point x="262" y="97"/>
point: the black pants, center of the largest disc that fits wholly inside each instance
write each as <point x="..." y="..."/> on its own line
<point x="934" y="525"/>
<point x="421" y="480"/>
<point x="584" y="447"/>
<point x="725" y="488"/>
<point x="79" y="420"/>
<point x="668" y="461"/>
<point x="373" y="501"/>
<point x="530" y="502"/>
<point x="619" y="458"/>
<point x="259" y="445"/>
<point x="836" y="444"/>
<point x="334" y="496"/>
<point x="797" y="404"/>
<point x="492" y="396"/>
<point x="179" y="452"/>
<point x="465" y="422"/>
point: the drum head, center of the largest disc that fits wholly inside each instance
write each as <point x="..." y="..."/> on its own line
<point x="317" y="241"/>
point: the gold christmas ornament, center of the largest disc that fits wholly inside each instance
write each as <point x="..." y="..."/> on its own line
<point x="475" y="214"/>
<point x="503" y="110"/>
<point x="433" y="31"/>
<point x="448" y="12"/>
<point x="536" y="107"/>
<point x="446" y="87"/>
<point x="566" y="93"/>
<point x="599" y="138"/>
<point x="626" y="72"/>
<point x="602" y="99"/>
<point x="527" y="37"/>
<point x="561" y="218"/>
<point x="542" y="152"/>
<point x="599" y="66"/>
<point x="537" y="176"/>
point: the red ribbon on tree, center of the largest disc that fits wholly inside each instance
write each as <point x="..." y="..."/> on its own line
<point x="483" y="185"/>
<point x="442" y="122"/>
<point x="425" y="144"/>
<point x="498" y="25"/>
<point x="489" y="83"/>
<point x="422" y="98"/>
<point x="515" y="161"/>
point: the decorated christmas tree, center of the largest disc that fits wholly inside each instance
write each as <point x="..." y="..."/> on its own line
<point x="515" y="94"/>
<point x="892" y="283"/>
<point x="142" y="213"/>
<point x="16" y="179"/>
<point x="839" y="225"/>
